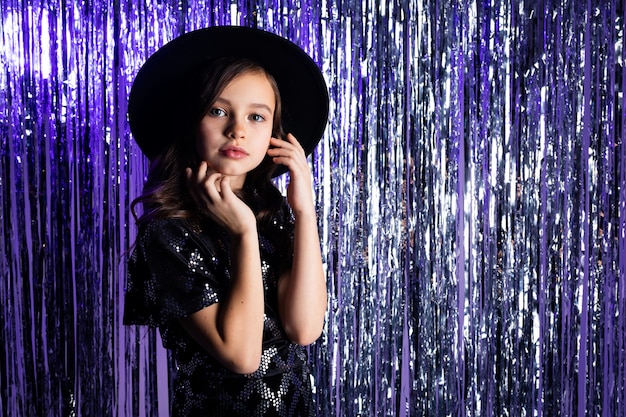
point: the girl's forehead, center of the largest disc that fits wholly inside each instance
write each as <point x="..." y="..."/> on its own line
<point x="252" y="89"/>
<point x="251" y="80"/>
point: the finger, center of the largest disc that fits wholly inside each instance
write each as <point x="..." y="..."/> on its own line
<point x="212" y="186"/>
<point x="277" y="143"/>
<point x="200" y="173"/>
<point x="213" y="177"/>
<point x="287" y="151"/>
<point x="197" y="187"/>
<point x="295" y="142"/>
<point x="225" y="187"/>
<point x="290" y="142"/>
<point x="287" y="156"/>
<point x="204" y="171"/>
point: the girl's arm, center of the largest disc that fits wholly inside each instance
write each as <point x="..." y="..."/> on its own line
<point x="302" y="290"/>
<point x="232" y="330"/>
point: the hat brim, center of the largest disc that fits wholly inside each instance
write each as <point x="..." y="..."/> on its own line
<point x="302" y="87"/>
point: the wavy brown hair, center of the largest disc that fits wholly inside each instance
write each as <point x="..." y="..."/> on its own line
<point x="165" y="192"/>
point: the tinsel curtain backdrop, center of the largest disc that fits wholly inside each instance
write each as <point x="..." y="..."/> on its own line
<point x="470" y="189"/>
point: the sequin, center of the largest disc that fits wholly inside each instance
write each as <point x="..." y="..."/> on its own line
<point x="177" y="269"/>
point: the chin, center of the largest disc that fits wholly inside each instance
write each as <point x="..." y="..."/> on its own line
<point x="231" y="172"/>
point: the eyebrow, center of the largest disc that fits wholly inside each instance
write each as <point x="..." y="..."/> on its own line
<point x="254" y="105"/>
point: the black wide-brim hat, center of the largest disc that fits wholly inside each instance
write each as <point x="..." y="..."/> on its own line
<point x="159" y="86"/>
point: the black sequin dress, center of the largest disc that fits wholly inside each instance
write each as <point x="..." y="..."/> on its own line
<point x="179" y="267"/>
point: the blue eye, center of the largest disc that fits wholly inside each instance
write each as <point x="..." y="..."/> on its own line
<point x="217" y="112"/>
<point x="257" y="118"/>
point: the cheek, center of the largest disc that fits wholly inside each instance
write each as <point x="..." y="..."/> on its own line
<point x="261" y="149"/>
<point x="203" y="138"/>
<point x="262" y="138"/>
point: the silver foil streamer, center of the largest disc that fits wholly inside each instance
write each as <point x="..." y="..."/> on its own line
<point x="470" y="190"/>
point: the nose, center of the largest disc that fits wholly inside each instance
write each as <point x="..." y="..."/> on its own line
<point x="236" y="129"/>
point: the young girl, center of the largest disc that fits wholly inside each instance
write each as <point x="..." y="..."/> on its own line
<point x="229" y="271"/>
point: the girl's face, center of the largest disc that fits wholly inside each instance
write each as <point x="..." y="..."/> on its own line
<point x="234" y="135"/>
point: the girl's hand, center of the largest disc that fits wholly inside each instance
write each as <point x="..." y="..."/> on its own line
<point x="212" y="192"/>
<point x="289" y="152"/>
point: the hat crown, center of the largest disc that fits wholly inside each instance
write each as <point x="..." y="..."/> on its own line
<point x="159" y="101"/>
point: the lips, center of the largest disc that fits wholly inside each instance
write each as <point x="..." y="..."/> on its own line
<point x="234" y="152"/>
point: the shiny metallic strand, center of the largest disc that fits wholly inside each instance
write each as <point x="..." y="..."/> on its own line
<point x="470" y="190"/>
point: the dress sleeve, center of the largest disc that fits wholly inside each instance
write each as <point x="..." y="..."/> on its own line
<point x="173" y="272"/>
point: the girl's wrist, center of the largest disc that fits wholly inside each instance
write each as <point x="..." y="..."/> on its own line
<point x="248" y="231"/>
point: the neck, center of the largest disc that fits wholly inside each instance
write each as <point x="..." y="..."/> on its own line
<point x="237" y="182"/>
